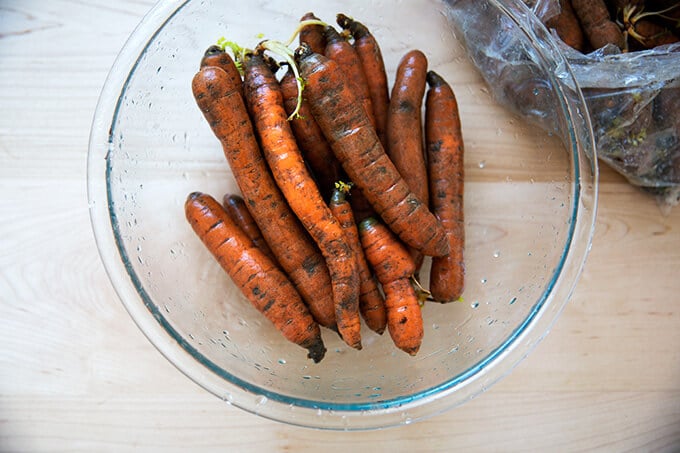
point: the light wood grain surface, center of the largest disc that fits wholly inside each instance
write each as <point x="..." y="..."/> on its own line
<point x="77" y="375"/>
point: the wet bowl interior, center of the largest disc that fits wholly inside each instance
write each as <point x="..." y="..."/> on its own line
<point x="529" y="208"/>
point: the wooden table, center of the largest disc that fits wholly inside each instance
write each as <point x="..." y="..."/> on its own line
<point x="77" y="375"/>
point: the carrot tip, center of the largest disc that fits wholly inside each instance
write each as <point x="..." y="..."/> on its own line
<point x="309" y="16"/>
<point x="213" y="50"/>
<point x="434" y="79"/>
<point x="317" y="352"/>
<point x="343" y="20"/>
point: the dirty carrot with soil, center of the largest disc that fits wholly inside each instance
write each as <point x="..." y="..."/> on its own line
<point x="219" y="99"/>
<point x="445" y="150"/>
<point x="356" y="145"/>
<point x="217" y="57"/>
<point x="371" y="301"/>
<point x="597" y="25"/>
<point x="237" y="210"/>
<point x="374" y="68"/>
<point x="310" y="139"/>
<point x="312" y="35"/>
<point x="567" y="26"/>
<point x="258" y="278"/>
<point x="404" y="127"/>
<point x="394" y="268"/>
<point x="342" y="52"/>
<point x="265" y="103"/>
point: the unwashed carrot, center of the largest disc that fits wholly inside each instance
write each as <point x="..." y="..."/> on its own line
<point x="356" y="145"/>
<point x="342" y="52"/>
<point x="651" y="34"/>
<point x="445" y="151"/>
<point x="265" y="103"/>
<point x="567" y="26"/>
<point x="311" y="141"/>
<point x="217" y="57"/>
<point x="237" y="210"/>
<point x="374" y="68"/>
<point x="258" y="278"/>
<point x="394" y="267"/>
<point x="312" y="35"/>
<point x="371" y="301"/>
<point x="404" y="127"/>
<point x="222" y="105"/>
<point x="597" y="24"/>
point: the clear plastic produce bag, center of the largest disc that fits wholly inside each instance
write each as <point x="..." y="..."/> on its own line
<point x="633" y="98"/>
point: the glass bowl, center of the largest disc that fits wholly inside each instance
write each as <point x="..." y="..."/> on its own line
<point x="529" y="204"/>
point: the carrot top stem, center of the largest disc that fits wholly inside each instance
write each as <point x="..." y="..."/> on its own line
<point x="282" y="50"/>
<point x="343" y="187"/>
<point x="423" y="293"/>
<point x="632" y="13"/>
<point x="302" y="24"/>
<point x="238" y="51"/>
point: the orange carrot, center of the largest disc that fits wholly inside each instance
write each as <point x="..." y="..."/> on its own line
<point x="224" y="109"/>
<point x="356" y="145"/>
<point x="567" y="26"/>
<point x="311" y="141"/>
<point x="237" y="210"/>
<point x="394" y="267"/>
<point x="312" y="35"/>
<point x="445" y="164"/>
<point x="217" y="57"/>
<point x="405" y="130"/>
<point x="371" y="301"/>
<point x="258" y="278"/>
<point x="597" y="24"/>
<point x="342" y="52"/>
<point x="265" y="102"/>
<point x="374" y="68"/>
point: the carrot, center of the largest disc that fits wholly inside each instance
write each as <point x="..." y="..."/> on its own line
<point x="356" y="145"/>
<point x="394" y="267"/>
<point x="237" y="210"/>
<point x="597" y="25"/>
<point x="311" y="141"/>
<point x="651" y="34"/>
<point x="342" y="52"/>
<point x="567" y="26"/>
<point x="258" y="278"/>
<point x="404" y="127"/>
<point x="371" y="301"/>
<point x="374" y="68"/>
<point x="265" y="102"/>
<point x="217" y="57"/>
<point x="224" y="109"/>
<point x="445" y="173"/>
<point x="312" y="35"/>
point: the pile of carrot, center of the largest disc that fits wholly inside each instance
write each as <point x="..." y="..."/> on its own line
<point x="345" y="186"/>
<point x="630" y="25"/>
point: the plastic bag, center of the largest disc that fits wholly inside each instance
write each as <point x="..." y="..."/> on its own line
<point x="633" y="100"/>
